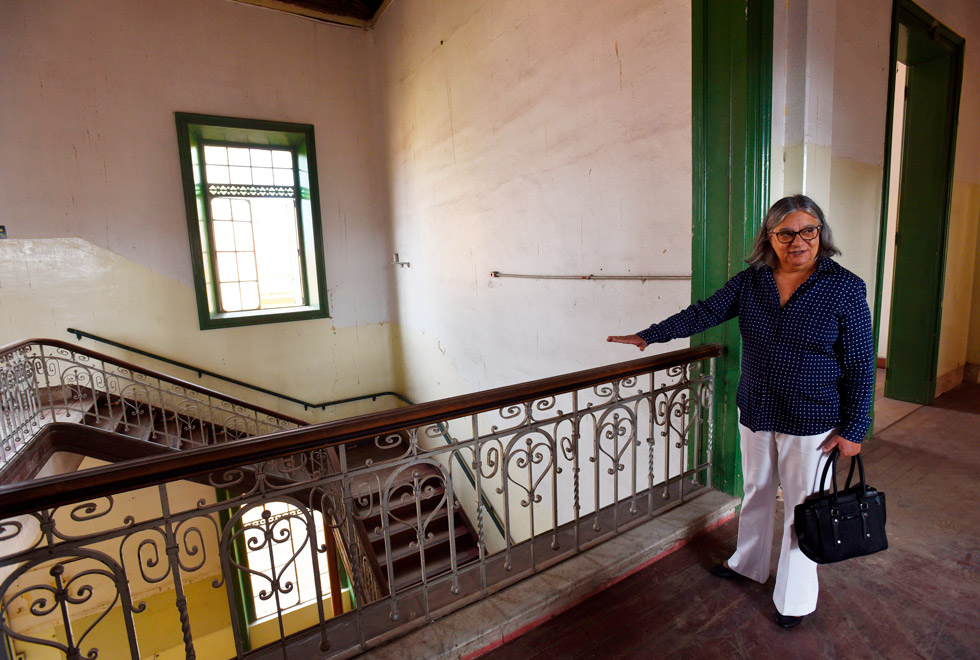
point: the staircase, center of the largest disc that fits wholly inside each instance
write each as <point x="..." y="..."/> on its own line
<point x="415" y="520"/>
<point x="138" y="419"/>
<point x="149" y="413"/>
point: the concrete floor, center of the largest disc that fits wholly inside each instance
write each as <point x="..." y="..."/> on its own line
<point x="918" y="599"/>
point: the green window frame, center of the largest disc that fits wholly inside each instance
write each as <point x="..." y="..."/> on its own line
<point x="194" y="132"/>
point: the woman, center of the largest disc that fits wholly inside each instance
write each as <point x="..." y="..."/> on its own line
<point x="807" y="383"/>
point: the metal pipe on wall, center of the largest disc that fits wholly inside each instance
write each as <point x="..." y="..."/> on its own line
<point x="497" y="273"/>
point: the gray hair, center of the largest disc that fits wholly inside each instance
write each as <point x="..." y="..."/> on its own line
<point x="762" y="252"/>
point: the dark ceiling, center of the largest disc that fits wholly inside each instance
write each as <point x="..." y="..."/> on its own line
<point x="360" y="9"/>
<point x="362" y="13"/>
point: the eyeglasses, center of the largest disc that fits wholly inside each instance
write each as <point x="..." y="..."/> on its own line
<point x="807" y="234"/>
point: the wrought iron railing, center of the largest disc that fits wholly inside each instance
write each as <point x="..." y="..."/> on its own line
<point x="142" y="557"/>
<point x="47" y="381"/>
<point x="44" y="380"/>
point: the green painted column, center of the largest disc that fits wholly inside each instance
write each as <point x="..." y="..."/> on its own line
<point x="732" y="99"/>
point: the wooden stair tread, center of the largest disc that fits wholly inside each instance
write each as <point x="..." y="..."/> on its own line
<point x="435" y="568"/>
<point x="397" y="526"/>
<point x="438" y="539"/>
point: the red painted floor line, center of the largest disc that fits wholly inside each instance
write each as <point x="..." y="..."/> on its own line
<point x="619" y="578"/>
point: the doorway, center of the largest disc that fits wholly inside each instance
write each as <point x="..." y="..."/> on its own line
<point x="922" y="117"/>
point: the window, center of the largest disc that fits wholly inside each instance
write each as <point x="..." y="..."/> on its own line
<point x="253" y="219"/>
<point x="279" y="548"/>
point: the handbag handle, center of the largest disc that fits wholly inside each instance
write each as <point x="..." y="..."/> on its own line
<point x="832" y="463"/>
<point x="856" y="459"/>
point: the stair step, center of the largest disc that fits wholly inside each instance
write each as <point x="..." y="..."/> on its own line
<point x="435" y="567"/>
<point x="404" y="550"/>
<point x="104" y="412"/>
<point x="137" y="419"/>
<point x="406" y="511"/>
<point x="66" y="395"/>
<point x="405" y="524"/>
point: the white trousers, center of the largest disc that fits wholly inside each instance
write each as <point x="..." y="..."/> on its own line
<point x="768" y="460"/>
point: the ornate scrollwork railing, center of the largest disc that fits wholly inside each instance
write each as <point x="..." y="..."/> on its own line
<point x="44" y="381"/>
<point x="569" y="462"/>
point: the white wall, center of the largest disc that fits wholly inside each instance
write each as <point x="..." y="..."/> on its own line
<point x="528" y="137"/>
<point x="90" y="153"/>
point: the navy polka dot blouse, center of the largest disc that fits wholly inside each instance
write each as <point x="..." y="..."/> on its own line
<point x="806" y="368"/>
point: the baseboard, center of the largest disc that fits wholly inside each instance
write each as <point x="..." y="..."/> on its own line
<point x="881" y="363"/>
<point x="949" y="380"/>
<point x="971" y="373"/>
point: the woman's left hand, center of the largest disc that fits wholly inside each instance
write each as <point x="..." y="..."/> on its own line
<point x="847" y="448"/>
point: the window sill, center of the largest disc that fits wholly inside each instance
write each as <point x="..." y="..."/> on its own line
<point x="257" y="317"/>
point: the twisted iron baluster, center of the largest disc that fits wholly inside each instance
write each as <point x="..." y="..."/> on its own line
<point x="651" y="443"/>
<point x="354" y="547"/>
<point x="478" y="475"/>
<point x="174" y="560"/>
<point x="576" y="484"/>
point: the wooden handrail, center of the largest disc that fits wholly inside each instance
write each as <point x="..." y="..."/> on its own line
<point x="17" y="499"/>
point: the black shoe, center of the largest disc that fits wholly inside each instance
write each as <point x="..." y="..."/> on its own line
<point x="786" y="621"/>
<point x="723" y="572"/>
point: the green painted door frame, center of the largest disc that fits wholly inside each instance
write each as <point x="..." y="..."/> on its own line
<point x="732" y="101"/>
<point x="934" y="56"/>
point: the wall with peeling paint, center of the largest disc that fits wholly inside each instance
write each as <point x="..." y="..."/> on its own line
<point x="90" y="153"/>
<point x="523" y="138"/>
<point x="115" y="297"/>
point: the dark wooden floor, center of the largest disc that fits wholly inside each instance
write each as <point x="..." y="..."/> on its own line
<point x="918" y="599"/>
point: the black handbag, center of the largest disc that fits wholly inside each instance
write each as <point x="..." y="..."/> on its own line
<point x="839" y="525"/>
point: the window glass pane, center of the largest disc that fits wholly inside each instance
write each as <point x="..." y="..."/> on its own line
<point x="294" y="565"/>
<point x="240" y="210"/>
<point x="246" y="270"/>
<point x="241" y="175"/>
<point x="276" y="252"/>
<point x="221" y="208"/>
<point x="282" y="159"/>
<point x="261" y="158"/>
<point x="262" y="585"/>
<point x="224" y="236"/>
<point x="216" y="173"/>
<point x="275" y="508"/>
<point x="250" y="290"/>
<point x="243" y="235"/>
<point x="290" y="599"/>
<point x="238" y="156"/>
<point x="215" y="155"/>
<point x="231" y="298"/>
<point x="283" y="177"/>
<point x="227" y="267"/>
<point x="262" y="176"/>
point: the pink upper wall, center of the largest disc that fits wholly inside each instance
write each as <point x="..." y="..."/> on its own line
<point x="90" y="150"/>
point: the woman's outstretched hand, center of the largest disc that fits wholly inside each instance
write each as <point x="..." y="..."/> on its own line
<point x="847" y="448"/>
<point x="633" y="340"/>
